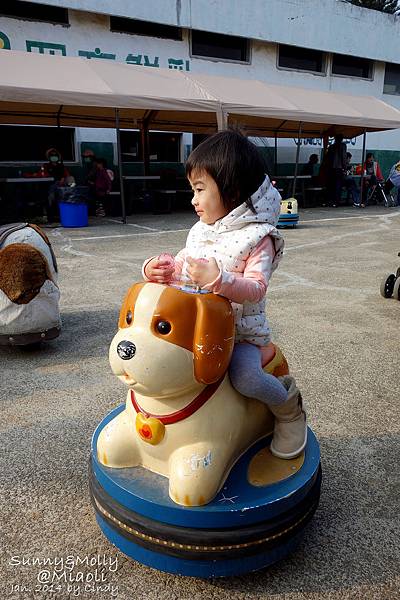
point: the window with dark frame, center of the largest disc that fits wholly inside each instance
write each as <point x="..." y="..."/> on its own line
<point x="135" y="27"/>
<point x="163" y="146"/>
<point x="131" y="149"/>
<point x="352" y="66"/>
<point x="215" y="45"/>
<point x="391" y="84"/>
<point x="34" y="12"/>
<point x="301" y="59"/>
<point x="29" y="144"/>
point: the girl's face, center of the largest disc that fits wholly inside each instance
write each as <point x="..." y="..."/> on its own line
<point x="207" y="200"/>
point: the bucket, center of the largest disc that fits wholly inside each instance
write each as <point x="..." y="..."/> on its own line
<point x="73" y="215"/>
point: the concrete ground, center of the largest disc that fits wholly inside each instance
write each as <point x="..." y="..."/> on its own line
<point x="342" y="341"/>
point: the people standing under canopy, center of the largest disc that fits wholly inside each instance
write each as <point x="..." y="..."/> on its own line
<point x="336" y="163"/>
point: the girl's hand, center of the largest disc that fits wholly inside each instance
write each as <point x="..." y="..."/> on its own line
<point x="202" y="271"/>
<point x="159" y="270"/>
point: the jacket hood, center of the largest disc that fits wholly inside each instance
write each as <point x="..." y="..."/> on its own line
<point x="266" y="201"/>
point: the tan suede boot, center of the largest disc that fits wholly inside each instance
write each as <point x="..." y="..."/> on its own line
<point x="290" y="430"/>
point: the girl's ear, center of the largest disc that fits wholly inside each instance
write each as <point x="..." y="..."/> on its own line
<point x="213" y="337"/>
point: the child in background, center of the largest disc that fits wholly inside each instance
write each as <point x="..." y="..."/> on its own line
<point x="101" y="183"/>
<point x="232" y="251"/>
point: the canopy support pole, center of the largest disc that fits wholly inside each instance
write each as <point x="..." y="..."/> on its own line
<point x="119" y="157"/>
<point x="58" y="134"/>
<point x="297" y="161"/>
<point x="59" y="115"/>
<point x="276" y="147"/>
<point x="362" y="166"/>
<point x="144" y="131"/>
<point x="222" y="119"/>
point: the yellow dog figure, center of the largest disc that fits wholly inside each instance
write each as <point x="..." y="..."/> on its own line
<point x="183" y="419"/>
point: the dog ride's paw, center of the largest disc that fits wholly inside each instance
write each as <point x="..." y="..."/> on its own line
<point x="184" y="499"/>
<point x="115" y="445"/>
<point x="194" y="476"/>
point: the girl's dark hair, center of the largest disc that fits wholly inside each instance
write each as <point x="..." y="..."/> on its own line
<point x="235" y="164"/>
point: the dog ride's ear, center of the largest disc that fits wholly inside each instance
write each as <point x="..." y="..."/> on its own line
<point x="213" y="337"/>
<point x="126" y="313"/>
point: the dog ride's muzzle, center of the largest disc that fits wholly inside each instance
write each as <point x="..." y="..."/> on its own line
<point x="126" y="350"/>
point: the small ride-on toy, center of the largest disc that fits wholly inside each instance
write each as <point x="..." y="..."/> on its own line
<point x="390" y="285"/>
<point x="289" y="215"/>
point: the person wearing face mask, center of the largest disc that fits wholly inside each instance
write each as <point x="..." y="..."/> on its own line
<point x="54" y="168"/>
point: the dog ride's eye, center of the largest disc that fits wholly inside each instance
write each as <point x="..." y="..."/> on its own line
<point x="128" y="317"/>
<point x="163" y="327"/>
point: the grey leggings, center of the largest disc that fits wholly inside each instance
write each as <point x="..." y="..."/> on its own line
<point x="248" y="378"/>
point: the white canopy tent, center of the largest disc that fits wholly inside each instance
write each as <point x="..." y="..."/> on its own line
<point x="56" y="90"/>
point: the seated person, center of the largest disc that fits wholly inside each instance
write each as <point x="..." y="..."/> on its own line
<point x="311" y="168"/>
<point x="54" y="168"/>
<point x="372" y="175"/>
<point x="349" y="182"/>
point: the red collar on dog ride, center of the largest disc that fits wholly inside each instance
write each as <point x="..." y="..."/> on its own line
<point x="182" y="413"/>
<point x="151" y="428"/>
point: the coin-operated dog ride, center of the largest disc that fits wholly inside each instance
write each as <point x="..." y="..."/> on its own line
<point x="29" y="295"/>
<point x="181" y="475"/>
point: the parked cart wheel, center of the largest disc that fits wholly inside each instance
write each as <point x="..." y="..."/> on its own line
<point x="387" y="285"/>
<point x="396" y="289"/>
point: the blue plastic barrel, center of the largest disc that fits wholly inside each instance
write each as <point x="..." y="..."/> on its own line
<point x="73" y="215"/>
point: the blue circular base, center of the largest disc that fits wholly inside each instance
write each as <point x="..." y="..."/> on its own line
<point x="245" y="528"/>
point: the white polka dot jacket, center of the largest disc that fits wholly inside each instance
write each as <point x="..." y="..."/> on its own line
<point x="247" y="247"/>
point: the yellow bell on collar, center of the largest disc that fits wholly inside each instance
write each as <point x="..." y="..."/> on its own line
<point x="150" y="429"/>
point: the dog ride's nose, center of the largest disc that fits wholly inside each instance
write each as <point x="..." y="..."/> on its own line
<point x="126" y="350"/>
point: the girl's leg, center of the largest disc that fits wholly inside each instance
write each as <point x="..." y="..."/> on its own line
<point x="355" y="192"/>
<point x="248" y="378"/>
<point x="100" y="212"/>
<point x="281" y="395"/>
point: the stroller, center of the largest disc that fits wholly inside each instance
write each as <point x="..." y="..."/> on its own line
<point x="381" y="193"/>
<point x="392" y="185"/>
<point x="386" y="193"/>
<point x="390" y="285"/>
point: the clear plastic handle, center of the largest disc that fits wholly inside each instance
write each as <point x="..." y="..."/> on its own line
<point x="168" y="259"/>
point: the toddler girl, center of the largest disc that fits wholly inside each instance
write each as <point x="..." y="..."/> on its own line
<point x="232" y="250"/>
